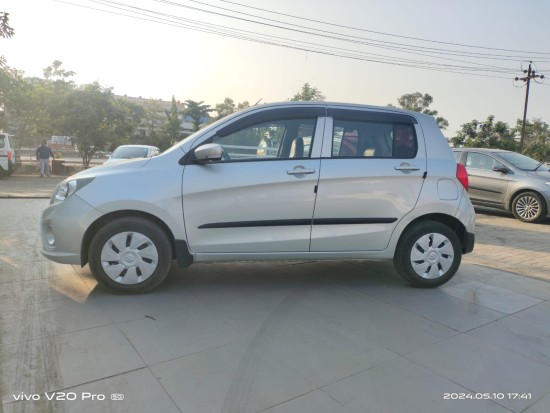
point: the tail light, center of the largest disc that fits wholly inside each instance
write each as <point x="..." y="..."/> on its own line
<point x="9" y="155"/>
<point x="462" y="175"/>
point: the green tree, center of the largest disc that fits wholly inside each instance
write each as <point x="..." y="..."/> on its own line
<point x="537" y="139"/>
<point x="6" y="31"/>
<point x="172" y="128"/>
<point x="56" y="71"/>
<point x="6" y="82"/>
<point x="487" y="134"/>
<point x="197" y="111"/>
<point x="35" y="108"/>
<point x="308" y="93"/>
<point x="26" y="104"/>
<point x="152" y="123"/>
<point x="243" y="105"/>
<point x="227" y="107"/>
<point x="92" y="116"/>
<point x="419" y="102"/>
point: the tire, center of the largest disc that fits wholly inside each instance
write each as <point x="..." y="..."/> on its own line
<point x="130" y="255"/>
<point x="11" y="169"/>
<point x="529" y="207"/>
<point x="428" y="254"/>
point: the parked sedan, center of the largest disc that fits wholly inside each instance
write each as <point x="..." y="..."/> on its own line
<point x="507" y="180"/>
<point x="132" y="151"/>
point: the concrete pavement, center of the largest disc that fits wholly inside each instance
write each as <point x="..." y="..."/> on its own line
<point x="504" y="243"/>
<point x="28" y="186"/>
<point x="274" y="337"/>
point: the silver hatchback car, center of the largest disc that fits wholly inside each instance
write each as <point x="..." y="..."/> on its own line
<point x="507" y="180"/>
<point x="293" y="180"/>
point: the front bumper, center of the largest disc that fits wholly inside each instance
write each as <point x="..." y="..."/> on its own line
<point x="62" y="228"/>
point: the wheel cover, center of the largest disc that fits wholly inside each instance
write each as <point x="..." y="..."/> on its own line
<point x="432" y="255"/>
<point x="129" y="258"/>
<point x="527" y="207"/>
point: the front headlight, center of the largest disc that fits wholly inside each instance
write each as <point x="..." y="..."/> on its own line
<point x="66" y="188"/>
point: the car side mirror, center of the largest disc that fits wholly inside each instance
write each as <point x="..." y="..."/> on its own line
<point x="501" y="169"/>
<point x="210" y="152"/>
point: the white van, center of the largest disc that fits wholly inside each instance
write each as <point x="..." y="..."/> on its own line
<point x="7" y="154"/>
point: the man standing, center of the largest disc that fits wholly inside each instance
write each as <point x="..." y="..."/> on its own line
<point x="43" y="153"/>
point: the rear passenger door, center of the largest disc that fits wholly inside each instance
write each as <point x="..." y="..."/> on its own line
<point x="372" y="169"/>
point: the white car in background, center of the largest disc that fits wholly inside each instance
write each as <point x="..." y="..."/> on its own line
<point x="7" y="154"/>
<point x="344" y="182"/>
<point x="124" y="152"/>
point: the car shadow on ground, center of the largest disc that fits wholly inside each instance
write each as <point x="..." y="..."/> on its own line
<point x="256" y="278"/>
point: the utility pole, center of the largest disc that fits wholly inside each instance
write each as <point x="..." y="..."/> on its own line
<point x="530" y="75"/>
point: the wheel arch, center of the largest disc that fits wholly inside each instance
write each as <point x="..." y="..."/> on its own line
<point x="518" y="192"/>
<point x="447" y="220"/>
<point x="100" y="222"/>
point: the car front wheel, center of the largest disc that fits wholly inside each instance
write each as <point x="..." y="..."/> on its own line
<point x="529" y="207"/>
<point x="428" y="254"/>
<point x="130" y="255"/>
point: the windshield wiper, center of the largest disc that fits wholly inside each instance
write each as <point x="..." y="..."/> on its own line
<point x="538" y="166"/>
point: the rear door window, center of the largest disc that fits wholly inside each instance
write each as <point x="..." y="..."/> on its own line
<point x="364" y="139"/>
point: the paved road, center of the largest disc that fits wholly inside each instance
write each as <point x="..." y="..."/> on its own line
<point x="28" y="186"/>
<point x="504" y="243"/>
<point x="304" y="337"/>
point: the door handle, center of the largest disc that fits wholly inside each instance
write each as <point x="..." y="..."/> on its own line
<point x="299" y="170"/>
<point x="406" y="167"/>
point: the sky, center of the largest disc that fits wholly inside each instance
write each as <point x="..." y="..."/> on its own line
<point x="465" y="54"/>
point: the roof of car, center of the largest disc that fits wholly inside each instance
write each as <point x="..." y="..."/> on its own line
<point x="347" y="105"/>
<point x="487" y="150"/>
<point x="137" y="146"/>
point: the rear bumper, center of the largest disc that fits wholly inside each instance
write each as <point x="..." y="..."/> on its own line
<point x="469" y="243"/>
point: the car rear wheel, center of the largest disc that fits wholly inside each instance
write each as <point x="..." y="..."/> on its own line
<point x="130" y="255"/>
<point x="529" y="207"/>
<point x="428" y="254"/>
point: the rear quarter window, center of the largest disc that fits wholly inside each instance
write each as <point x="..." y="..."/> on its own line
<point x="458" y="156"/>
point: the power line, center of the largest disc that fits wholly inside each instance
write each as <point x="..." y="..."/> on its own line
<point x="377" y="32"/>
<point x="338" y="36"/>
<point x="144" y="14"/>
<point x="481" y="67"/>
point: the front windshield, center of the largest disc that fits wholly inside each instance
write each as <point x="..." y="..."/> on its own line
<point x="522" y="162"/>
<point x="129" y="153"/>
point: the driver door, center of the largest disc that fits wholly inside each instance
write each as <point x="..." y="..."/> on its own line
<point x="260" y="197"/>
